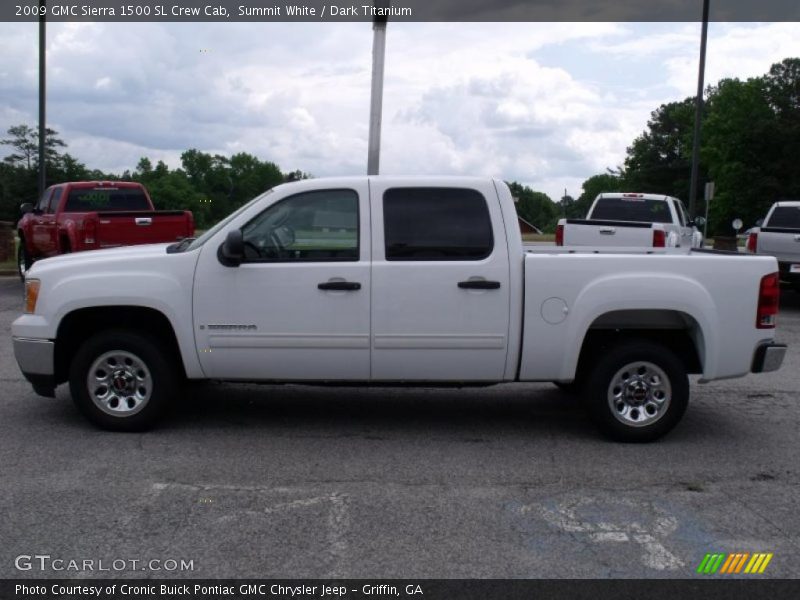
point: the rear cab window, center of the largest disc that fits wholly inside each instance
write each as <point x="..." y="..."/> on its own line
<point x="632" y="209"/>
<point x="785" y="217"/>
<point x="436" y="224"/>
<point x="106" y="199"/>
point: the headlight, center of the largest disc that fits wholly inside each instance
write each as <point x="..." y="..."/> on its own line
<point x="31" y="295"/>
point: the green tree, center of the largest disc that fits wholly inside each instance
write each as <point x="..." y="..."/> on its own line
<point x="660" y="159"/>
<point x="172" y="190"/>
<point x="596" y="184"/>
<point x="535" y="207"/>
<point x="24" y="141"/>
<point x="740" y="150"/>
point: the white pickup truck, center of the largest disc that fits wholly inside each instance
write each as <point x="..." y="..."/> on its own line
<point x="632" y="220"/>
<point x="393" y="280"/>
<point x="779" y="236"/>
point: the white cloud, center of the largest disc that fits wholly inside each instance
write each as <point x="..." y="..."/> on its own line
<point x="503" y="99"/>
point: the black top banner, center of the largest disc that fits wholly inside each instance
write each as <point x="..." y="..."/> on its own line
<point x="398" y="10"/>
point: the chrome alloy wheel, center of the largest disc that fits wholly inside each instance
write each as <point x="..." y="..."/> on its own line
<point x="119" y="383"/>
<point x="639" y="394"/>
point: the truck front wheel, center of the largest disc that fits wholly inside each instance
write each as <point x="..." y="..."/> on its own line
<point x="121" y="381"/>
<point x="24" y="261"/>
<point x="637" y="391"/>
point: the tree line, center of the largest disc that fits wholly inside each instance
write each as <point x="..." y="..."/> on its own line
<point x="750" y="144"/>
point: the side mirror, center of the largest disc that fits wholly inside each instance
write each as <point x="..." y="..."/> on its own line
<point x="699" y="221"/>
<point x="26" y="208"/>
<point x="759" y="223"/>
<point x="231" y="252"/>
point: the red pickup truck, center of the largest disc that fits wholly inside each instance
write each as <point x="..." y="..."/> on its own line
<point x="89" y="215"/>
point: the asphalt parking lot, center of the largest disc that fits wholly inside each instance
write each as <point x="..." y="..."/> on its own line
<point x="294" y="481"/>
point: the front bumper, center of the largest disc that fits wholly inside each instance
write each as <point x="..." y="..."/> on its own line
<point x="768" y="357"/>
<point x="35" y="358"/>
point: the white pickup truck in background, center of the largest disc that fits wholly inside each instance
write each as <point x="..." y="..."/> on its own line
<point x="779" y="236"/>
<point x="637" y="220"/>
<point x="411" y="281"/>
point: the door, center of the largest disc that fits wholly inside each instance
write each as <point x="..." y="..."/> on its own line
<point x="298" y="307"/>
<point x="44" y="225"/>
<point x="440" y="274"/>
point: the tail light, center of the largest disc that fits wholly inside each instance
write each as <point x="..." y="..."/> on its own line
<point x="769" y="294"/>
<point x="659" y="238"/>
<point x="90" y="232"/>
<point x="559" y="235"/>
<point x="191" y="224"/>
<point x="752" y="242"/>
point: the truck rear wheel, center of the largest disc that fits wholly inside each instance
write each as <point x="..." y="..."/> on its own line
<point x="121" y="381"/>
<point x="637" y="391"/>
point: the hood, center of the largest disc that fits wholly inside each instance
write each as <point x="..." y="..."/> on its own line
<point x="99" y="258"/>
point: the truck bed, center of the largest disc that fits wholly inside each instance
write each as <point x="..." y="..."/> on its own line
<point x="566" y="289"/>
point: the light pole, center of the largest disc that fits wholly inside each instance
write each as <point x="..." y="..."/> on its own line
<point x="42" y="180"/>
<point x="376" y="98"/>
<point x="698" y="113"/>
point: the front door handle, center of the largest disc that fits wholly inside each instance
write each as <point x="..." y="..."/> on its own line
<point x="342" y="286"/>
<point x="479" y="284"/>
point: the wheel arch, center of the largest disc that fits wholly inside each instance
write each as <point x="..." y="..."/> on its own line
<point x="82" y="323"/>
<point x="677" y="330"/>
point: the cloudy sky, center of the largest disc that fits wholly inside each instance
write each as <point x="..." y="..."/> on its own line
<point x="544" y="104"/>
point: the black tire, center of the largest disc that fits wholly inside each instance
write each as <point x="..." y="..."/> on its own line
<point x="24" y="261"/>
<point x="147" y="383"/>
<point x="638" y="414"/>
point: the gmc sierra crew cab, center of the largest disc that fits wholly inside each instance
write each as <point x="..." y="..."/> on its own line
<point x="87" y="215"/>
<point x="394" y="280"/>
<point x="639" y="220"/>
<point x="779" y="236"/>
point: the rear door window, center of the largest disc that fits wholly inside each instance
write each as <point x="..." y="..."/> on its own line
<point x="106" y="199"/>
<point x="436" y="224"/>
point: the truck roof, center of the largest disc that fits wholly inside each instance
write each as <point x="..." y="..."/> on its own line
<point x="93" y="184"/>
<point x="634" y="195"/>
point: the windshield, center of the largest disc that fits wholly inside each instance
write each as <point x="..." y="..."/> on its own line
<point x="787" y="217"/>
<point x="632" y="209"/>
<point x="211" y="232"/>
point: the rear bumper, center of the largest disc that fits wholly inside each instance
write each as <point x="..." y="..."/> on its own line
<point x="35" y="358"/>
<point x="783" y="267"/>
<point x="768" y="357"/>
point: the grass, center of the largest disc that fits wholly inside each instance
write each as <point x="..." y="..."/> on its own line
<point x="11" y="265"/>
<point x="538" y="237"/>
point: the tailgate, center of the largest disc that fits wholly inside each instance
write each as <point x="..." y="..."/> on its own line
<point x="783" y="244"/>
<point x="579" y="232"/>
<point x="141" y="227"/>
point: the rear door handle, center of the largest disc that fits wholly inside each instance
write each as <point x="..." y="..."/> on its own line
<point x="342" y="286"/>
<point x="479" y="284"/>
<point x="144" y="221"/>
<point x="608" y="231"/>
